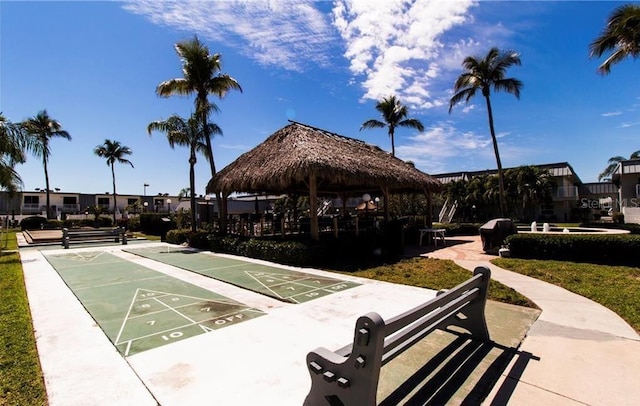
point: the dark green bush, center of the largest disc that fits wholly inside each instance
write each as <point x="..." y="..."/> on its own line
<point x="282" y="252"/>
<point x="177" y="236"/>
<point x="33" y="223"/>
<point x="618" y="218"/>
<point x="609" y="249"/>
<point x="153" y="223"/>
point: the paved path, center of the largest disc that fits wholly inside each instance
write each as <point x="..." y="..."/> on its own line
<point x="581" y="353"/>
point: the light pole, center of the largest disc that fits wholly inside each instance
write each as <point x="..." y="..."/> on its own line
<point x="366" y="198"/>
<point x="206" y="199"/>
<point x="145" y="188"/>
<point x="145" y="205"/>
<point x="169" y="203"/>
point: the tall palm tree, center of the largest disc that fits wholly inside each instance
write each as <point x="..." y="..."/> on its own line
<point x="113" y="152"/>
<point x="394" y="114"/>
<point x="190" y="133"/>
<point x="621" y="37"/>
<point x="482" y="74"/>
<point x="11" y="153"/>
<point x="613" y="164"/>
<point x="41" y="129"/>
<point x="202" y="76"/>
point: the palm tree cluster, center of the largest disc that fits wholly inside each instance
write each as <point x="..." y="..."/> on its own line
<point x="11" y="153"/>
<point x="202" y="76"/>
<point x="526" y="188"/>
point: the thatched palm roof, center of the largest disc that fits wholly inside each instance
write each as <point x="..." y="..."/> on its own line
<point x="284" y="162"/>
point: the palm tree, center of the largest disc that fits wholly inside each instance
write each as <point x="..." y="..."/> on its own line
<point x="613" y="164"/>
<point x="190" y="133"/>
<point x="483" y="74"/>
<point x="621" y="36"/>
<point x="394" y="114"/>
<point x="184" y="193"/>
<point x="202" y="76"/>
<point x="11" y="153"/>
<point x="113" y="152"/>
<point x="40" y="130"/>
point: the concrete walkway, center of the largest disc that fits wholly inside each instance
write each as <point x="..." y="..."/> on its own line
<point x="576" y="353"/>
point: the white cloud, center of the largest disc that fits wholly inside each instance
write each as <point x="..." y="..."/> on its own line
<point x="611" y="114"/>
<point x="396" y="45"/>
<point x="283" y="33"/>
<point x="432" y="149"/>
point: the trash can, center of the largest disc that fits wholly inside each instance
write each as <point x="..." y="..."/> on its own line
<point x="165" y="226"/>
<point x="494" y="232"/>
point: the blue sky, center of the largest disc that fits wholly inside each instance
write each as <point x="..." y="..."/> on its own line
<point x="94" y="67"/>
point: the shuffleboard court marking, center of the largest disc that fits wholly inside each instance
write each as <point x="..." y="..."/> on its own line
<point x="139" y="308"/>
<point x="280" y="283"/>
<point x="305" y="282"/>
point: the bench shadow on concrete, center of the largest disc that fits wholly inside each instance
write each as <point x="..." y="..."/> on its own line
<point x="449" y="367"/>
<point x="464" y="372"/>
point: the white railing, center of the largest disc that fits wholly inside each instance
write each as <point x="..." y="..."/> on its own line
<point x="447" y="212"/>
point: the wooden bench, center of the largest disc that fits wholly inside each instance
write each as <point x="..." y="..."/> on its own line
<point x="350" y="375"/>
<point x="115" y="234"/>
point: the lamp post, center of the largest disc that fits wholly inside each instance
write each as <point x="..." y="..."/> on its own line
<point x="169" y="203"/>
<point x="145" y="205"/>
<point x="145" y="188"/>
<point x="366" y="198"/>
<point x="207" y="197"/>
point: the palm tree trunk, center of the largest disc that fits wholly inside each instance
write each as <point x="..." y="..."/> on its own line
<point x="192" y="185"/>
<point x="113" y="179"/>
<point x="46" y="181"/>
<point x="498" y="162"/>
<point x="221" y="205"/>
<point x="393" y="144"/>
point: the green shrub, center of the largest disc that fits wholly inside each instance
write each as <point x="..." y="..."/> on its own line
<point x="153" y="223"/>
<point x="282" y="252"/>
<point x="609" y="249"/>
<point x="177" y="236"/>
<point x="618" y="218"/>
<point x="33" y="223"/>
<point x="133" y="223"/>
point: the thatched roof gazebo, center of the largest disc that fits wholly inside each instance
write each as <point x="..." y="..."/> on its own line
<point x="301" y="159"/>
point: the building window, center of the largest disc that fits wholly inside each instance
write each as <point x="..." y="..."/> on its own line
<point x="69" y="200"/>
<point x="31" y="199"/>
<point x="103" y="202"/>
<point x="131" y="202"/>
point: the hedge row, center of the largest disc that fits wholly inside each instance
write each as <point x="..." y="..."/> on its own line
<point x="609" y="249"/>
<point x="350" y="251"/>
<point x="282" y="252"/>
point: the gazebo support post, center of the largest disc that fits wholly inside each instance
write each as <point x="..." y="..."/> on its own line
<point x="385" y="194"/>
<point x="313" y="207"/>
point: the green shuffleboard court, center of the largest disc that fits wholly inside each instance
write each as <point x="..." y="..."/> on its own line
<point x="279" y="283"/>
<point x="139" y="308"/>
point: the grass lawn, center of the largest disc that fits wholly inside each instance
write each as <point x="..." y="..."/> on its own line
<point x="20" y="374"/>
<point x="436" y="274"/>
<point x="615" y="287"/>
